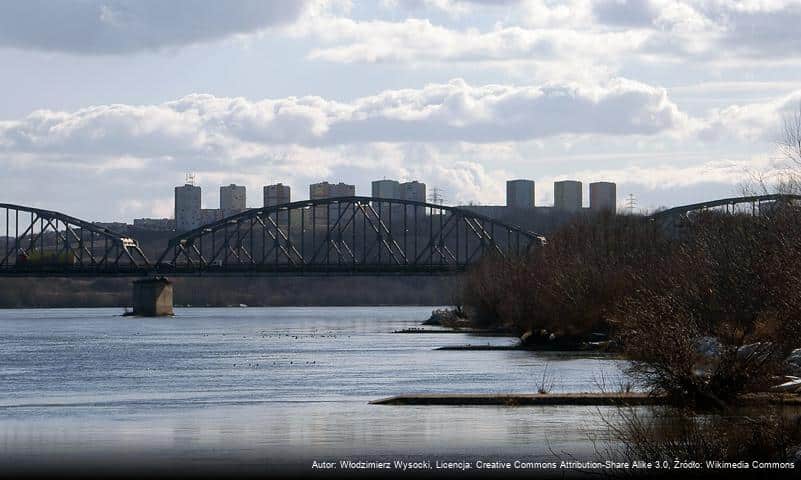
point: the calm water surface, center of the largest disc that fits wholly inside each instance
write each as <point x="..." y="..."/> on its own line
<point x="267" y="386"/>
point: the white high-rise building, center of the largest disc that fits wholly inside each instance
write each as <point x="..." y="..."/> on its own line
<point x="187" y="208"/>
<point x="603" y="196"/>
<point x="520" y="193"/>
<point x="567" y="195"/>
<point x="232" y="199"/>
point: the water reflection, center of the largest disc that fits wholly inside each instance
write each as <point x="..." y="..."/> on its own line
<point x="249" y="385"/>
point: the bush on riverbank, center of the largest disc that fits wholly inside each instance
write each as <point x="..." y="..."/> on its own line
<point x="772" y="436"/>
<point x="721" y="314"/>
<point x="704" y="316"/>
<point x="570" y="287"/>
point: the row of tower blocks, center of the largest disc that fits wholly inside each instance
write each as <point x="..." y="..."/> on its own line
<point x="567" y="195"/>
<point x="520" y="194"/>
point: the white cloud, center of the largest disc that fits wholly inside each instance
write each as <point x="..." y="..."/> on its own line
<point x="760" y="121"/>
<point x="420" y="41"/>
<point x="571" y="35"/>
<point x="210" y="126"/>
<point x="454" y="136"/>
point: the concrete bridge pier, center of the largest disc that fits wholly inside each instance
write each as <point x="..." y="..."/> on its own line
<point x="152" y="297"/>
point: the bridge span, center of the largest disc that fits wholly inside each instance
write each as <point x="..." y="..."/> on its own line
<point x="335" y="236"/>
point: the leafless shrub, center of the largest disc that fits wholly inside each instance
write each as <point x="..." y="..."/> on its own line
<point x="637" y="434"/>
<point x="787" y="178"/>
<point x="604" y="384"/>
<point x="732" y="282"/>
<point x="569" y="287"/>
<point x="547" y="381"/>
<point x="790" y="143"/>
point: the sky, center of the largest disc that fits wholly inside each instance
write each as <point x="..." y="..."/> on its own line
<point x="107" y="104"/>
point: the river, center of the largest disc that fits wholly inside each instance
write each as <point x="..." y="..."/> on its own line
<point x="256" y="389"/>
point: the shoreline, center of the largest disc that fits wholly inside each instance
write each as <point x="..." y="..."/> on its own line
<point x="217" y="306"/>
<point x="566" y="399"/>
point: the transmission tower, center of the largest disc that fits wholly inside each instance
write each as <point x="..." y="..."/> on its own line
<point x="190" y="178"/>
<point x="436" y="196"/>
<point x="631" y="203"/>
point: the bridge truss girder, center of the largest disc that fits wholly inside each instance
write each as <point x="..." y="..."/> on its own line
<point x="348" y="235"/>
<point x="677" y="219"/>
<point x="38" y="241"/>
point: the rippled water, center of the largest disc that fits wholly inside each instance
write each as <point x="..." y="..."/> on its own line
<point x="254" y="387"/>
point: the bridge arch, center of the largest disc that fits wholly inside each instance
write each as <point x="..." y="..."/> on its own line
<point x="345" y="235"/>
<point x="48" y="242"/>
<point x="675" y="221"/>
<point x="754" y="205"/>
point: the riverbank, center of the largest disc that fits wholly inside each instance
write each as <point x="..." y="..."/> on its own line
<point x="569" y="399"/>
<point x="521" y="399"/>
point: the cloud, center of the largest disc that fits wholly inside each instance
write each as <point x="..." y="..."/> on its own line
<point x="210" y="126"/>
<point x="571" y="35"/>
<point x="759" y="121"/>
<point x="455" y="136"/>
<point x="450" y="6"/>
<point x="709" y="29"/>
<point x="94" y="27"/>
<point x="418" y="41"/>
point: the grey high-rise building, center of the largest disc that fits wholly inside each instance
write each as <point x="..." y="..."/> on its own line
<point x="520" y="193"/>
<point x="187" y="208"/>
<point x="210" y="215"/>
<point x="323" y="190"/>
<point x="343" y="190"/>
<point x="603" y="196"/>
<point x="331" y="190"/>
<point x="232" y="199"/>
<point x="390" y="189"/>
<point x="386" y="189"/>
<point x="567" y="195"/>
<point x="414" y="191"/>
<point x="276" y="194"/>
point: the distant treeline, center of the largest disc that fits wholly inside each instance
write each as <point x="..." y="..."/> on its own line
<point x="217" y="291"/>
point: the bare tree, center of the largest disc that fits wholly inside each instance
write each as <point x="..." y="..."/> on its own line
<point x="786" y="180"/>
<point x="790" y="143"/>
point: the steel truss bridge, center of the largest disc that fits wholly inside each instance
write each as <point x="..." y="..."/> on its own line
<point x="753" y="205"/>
<point x="336" y="236"/>
<point x="43" y="241"/>
<point x="675" y="220"/>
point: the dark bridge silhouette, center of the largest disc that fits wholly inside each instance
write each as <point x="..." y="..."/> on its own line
<point x="38" y="241"/>
<point x="348" y="235"/>
<point x="675" y="220"/>
<point x="754" y="205"/>
<point x="336" y="236"/>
